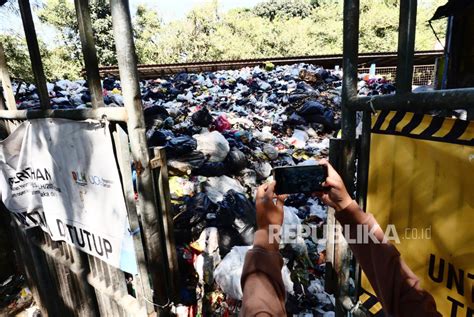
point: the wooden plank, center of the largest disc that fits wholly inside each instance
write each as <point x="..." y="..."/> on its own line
<point x="167" y="223"/>
<point x="89" y="52"/>
<point x="35" y="56"/>
<point x="6" y="82"/>
<point x="143" y="290"/>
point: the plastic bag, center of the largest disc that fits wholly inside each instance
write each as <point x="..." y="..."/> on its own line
<point x="184" y="165"/>
<point x="209" y="169"/>
<point x="311" y="107"/>
<point x="212" y="144"/>
<point x="154" y="113"/>
<point x="222" y="124"/>
<point x="299" y="138"/>
<point x="270" y="151"/>
<point x="180" y="187"/>
<point x="217" y="187"/>
<point x="263" y="170"/>
<point x="199" y="213"/>
<point x="228" y="273"/>
<point x="238" y="211"/>
<point x="179" y="146"/>
<point x="158" y="137"/>
<point x="236" y="161"/>
<point x="202" y="118"/>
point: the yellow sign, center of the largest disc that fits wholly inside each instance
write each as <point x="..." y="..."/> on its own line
<point x="421" y="179"/>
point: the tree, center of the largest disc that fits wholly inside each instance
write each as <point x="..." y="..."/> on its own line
<point x="61" y="14"/>
<point x="272" y="9"/>
<point x="146" y="29"/>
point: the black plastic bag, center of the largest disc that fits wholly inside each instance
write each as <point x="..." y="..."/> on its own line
<point x="210" y="169"/>
<point x="181" y="145"/>
<point x="185" y="164"/>
<point x="158" y="137"/>
<point x="236" y="161"/>
<point x="202" y="118"/>
<point x="200" y="213"/>
<point x="311" y="107"/>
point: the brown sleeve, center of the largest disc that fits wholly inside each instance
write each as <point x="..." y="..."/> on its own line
<point x="396" y="286"/>
<point x="262" y="284"/>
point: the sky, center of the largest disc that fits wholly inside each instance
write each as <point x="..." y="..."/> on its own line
<point x="168" y="10"/>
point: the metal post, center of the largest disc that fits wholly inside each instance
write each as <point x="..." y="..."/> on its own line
<point x="6" y="82"/>
<point x="406" y="45"/>
<point x="150" y="218"/>
<point x="342" y="152"/>
<point x="89" y="51"/>
<point x="350" y="58"/>
<point x="35" y="56"/>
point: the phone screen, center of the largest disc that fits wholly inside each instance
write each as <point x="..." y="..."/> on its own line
<point x="299" y="179"/>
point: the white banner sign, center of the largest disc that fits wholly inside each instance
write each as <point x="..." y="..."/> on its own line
<point x="62" y="175"/>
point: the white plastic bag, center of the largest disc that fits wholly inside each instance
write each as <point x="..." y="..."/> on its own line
<point x="228" y="273"/>
<point x="212" y="144"/>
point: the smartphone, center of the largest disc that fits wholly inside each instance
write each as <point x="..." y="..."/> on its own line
<point x="299" y="179"/>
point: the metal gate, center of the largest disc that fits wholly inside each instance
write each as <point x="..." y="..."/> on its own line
<point x="64" y="280"/>
<point x="350" y="154"/>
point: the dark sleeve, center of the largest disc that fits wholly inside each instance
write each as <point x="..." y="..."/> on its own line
<point x="396" y="286"/>
<point x="262" y="284"/>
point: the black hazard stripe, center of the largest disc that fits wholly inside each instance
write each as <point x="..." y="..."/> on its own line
<point x="371" y="304"/>
<point x="425" y="127"/>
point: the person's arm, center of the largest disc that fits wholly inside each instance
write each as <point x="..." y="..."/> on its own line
<point x="396" y="286"/>
<point x="262" y="283"/>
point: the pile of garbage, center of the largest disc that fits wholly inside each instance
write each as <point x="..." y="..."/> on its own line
<point x="223" y="133"/>
<point x="16" y="298"/>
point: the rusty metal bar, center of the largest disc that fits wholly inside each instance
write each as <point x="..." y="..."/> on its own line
<point x="147" y="204"/>
<point x="6" y="82"/>
<point x="89" y="51"/>
<point x="124" y="160"/>
<point x="35" y="56"/>
<point x="406" y="45"/>
<point x="461" y="98"/>
<point x="112" y="114"/>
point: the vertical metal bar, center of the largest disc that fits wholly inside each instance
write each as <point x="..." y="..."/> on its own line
<point x="342" y="152"/>
<point x="35" y="56"/>
<point x="362" y="179"/>
<point x="6" y="82"/>
<point x="124" y="160"/>
<point x="350" y="58"/>
<point x="447" y="52"/>
<point x="89" y="51"/>
<point x="406" y="45"/>
<point x="127" y="61"/>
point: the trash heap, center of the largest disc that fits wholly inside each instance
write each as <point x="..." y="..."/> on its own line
<point x="223" y="133"/>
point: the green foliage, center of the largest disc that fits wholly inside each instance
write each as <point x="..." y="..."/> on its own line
<point x="18" y="60"/>
<point x="62" y="15"/>
<point x="272" y="28"/>
<point x="272" y="9"/>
